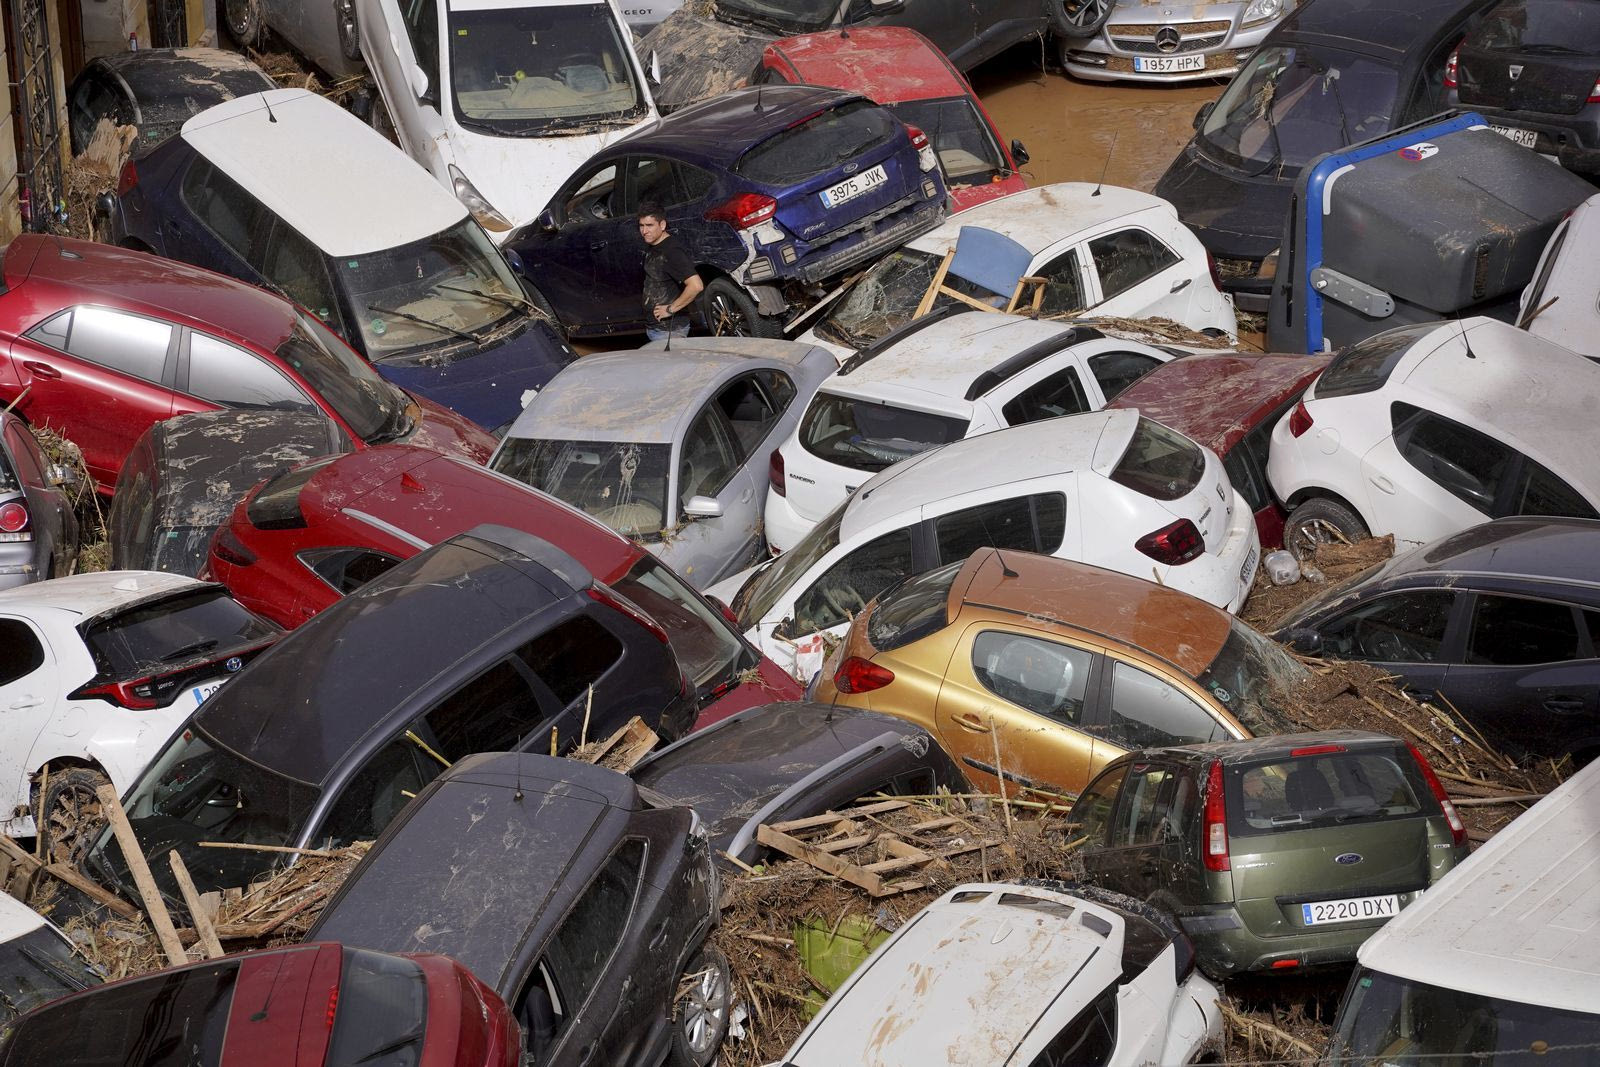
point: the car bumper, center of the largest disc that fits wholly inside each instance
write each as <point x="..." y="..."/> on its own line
<point x="1225" y="946"/>
<point x="877" y="234"/>
<point x="1116" y="53"/>
<point x="1223" y="579"/>
<point x="784" y="526"/>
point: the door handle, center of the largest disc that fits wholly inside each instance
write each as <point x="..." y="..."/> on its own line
<point x="973" y="723"/>
<point x="1180" y="285"/>
<point x="1382" y="483"/>
<point x="744" y="497"/>
<point x="41" y="370"/>
<point x="587" y="1054"/>
<point x="657" y="937"/>
<point x="1565" y="705"/>
<point x="26" y="702"/>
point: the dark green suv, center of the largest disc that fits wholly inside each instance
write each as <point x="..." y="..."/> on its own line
<point x="1275" y="854"/>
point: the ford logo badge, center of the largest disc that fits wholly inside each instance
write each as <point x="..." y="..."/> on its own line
<point x="234" y="663"/>
<point x="1348" y="858"/>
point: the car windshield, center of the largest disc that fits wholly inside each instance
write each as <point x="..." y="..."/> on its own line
<point x="1324" y="789"/>
<point x="1540" y="27"/>
<point x="1389" y="1020"/>
<point x="886" y="296"/>
<point x="441" y="290"/>
<point x="762" y="591"/>
<point x="1160" y="462"/>
<point x="1292" y="103"/>
<point x="785" y="16"/>
<point x="202" y="622"/>
<point x="37" y="967"/>
<point x="705" y="646"/>
<point x="382" y="1011"/>
<point x="818" y="144"/>
<point x="541" y="70"/>
<point x="966" y="148"/>
<point x="372" y="408"/>
<point x="865" y="436"/>
<point x="1254" y="679"/>
<point x="620" y="483"/>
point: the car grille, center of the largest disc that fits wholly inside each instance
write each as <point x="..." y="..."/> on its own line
<point x="1192" y="37"/>
<point x="913" y="222"/>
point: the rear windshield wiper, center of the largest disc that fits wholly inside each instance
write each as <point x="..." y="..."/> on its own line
<point x="441" y="327"/>
<point x="204" y="645"/>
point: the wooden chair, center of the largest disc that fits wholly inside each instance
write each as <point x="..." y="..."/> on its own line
<point x="990" y="260"/>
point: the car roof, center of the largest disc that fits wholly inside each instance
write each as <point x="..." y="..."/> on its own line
<point x="94" y="593"/>
<point x="890" y="64"/>
<point x="1044" y="215"/>
<point x="1270" y="746"/>
<point x="323" y="171"/>
<point x="500" y="832"/>
<point x="977" y="949"/>
<point x="1518" y="919"/>
<point x="16" y="918"/>
<point x="137" y="281"/>
<point x="721" y="129"/>
<point x="1386" y="24"/>
<point x="187" y="75"/>
<point x="644" y="396"/>
<point x="1544" y="549"/>
<point x="989" y="461"/>
<point x="1217" y="398"/>
<point x="1048" y="591"/>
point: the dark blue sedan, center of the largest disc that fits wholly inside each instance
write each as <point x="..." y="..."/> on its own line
<point x="773" y="190"/>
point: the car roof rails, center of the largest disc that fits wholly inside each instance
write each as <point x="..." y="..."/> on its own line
<point x="995" y="376"/>
<point x="900" y="333"/>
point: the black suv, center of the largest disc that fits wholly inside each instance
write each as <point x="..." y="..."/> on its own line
<point x="492" y="640"/>
<point x="581" y="899"/>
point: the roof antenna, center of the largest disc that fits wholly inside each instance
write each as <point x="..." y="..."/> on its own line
<point x="61" y="249"/>
<point x="759" y="87"/>
<point x="517" y="796"/>
<point x="1004" y="569"/>
<point x="1462" y="327"/>
<point x="268" y="105"/>
<point x="1106" y="165"/>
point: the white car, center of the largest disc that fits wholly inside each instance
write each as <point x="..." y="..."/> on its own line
<point x="1105" y="251"/>
<point x="1560" y="303"/>
<point x="37" y="963"/>
<point x="1107" y="487"/>
<point x="1425" y="430"/>
<point x="96" y="672"/>
<point x="501" y="100"/>
<point x="1025" y="973"/>
<point x="951" y="374"/>
<point x="645" y="15"/>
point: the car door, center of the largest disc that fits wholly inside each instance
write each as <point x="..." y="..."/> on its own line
<point x="569" y="263"/>
<point x="845" y="581"/>
<point x="1433" y="477"/>
<point x="1139" y="708"/>
<point x="1130" y="859"/>
<point x="681" y="190"/>
<point x="214" y="373"/>
<point x="1407" y="633"/>
<point x="711" y="468"/>
<point x="1135" y="275"/>
<point x="101" y="376"/>
<point x="29" y="686"/>
<point x="960" y="29"/>
<point x="224" y="228"/>
<point x="399" y="41"/>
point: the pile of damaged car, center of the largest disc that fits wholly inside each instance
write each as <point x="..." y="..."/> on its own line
<point x="553" y="533"/>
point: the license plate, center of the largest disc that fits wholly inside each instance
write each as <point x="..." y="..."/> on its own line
<point x="1168" y="64"/>
<point x="854" y="186"/>
<point x="1525" y="138"/>
<point x="1349" y="910"/>
<point x="202" y="691"/>
<point x="1248" y="571"/>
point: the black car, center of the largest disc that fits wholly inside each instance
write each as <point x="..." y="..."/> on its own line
<point x="492" y="640"/>
<point x="1502" y="620"/>
<point x="157" y="90"/>
<point x="792" y="760"/>
<point x="563" y="887"/>
<point x="185" y="474"/>
<point x="1333" y="73"/>
<point x="1532" y="68"/>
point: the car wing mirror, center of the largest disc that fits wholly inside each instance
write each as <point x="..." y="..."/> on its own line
<point x="1019" y="153"/>
<point x="547" y="221"/>
<point x="420" y="88"/>
<point x="702" y="507"/>
<point x="61" y="476"/>
<point x="1203" y="113"/>
<point x="884" y="7"/>
<point x="1305" y="640"/>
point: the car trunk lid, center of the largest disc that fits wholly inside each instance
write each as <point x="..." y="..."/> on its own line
<point x="1527" y="80"/>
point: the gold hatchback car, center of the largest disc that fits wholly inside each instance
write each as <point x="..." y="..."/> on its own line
<point x="1040" y="671"/>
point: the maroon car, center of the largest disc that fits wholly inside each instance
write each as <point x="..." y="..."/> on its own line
<point x="1229" y="402"/>
<point x="313" y="1005"/>
<point x="104" y="342"/>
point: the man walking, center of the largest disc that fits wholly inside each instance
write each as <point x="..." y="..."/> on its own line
<point x="670" y="281"/>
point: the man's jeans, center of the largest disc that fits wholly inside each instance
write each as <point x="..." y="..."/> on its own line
<point x="656" y="333"/>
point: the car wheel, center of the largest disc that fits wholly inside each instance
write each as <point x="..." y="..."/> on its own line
<point x="242" y="20"/>
<point x="344" y="14"/>
<point x="72" y="818"/>
<point x="1079" y="18"/>
<point x="701" y="1011"/>
<point x="1321" y="521"/>
<point x="730" y="312"/>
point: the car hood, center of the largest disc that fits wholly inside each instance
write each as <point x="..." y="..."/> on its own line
<point x="1233" y="215"/>
<point x="491" y="385"/>
<point x="701" y="57"/>
<point x="443" y="430"/>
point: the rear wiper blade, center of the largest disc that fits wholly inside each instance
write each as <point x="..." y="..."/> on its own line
<point x="441" y="327"/>
<point x="204" y="645"/>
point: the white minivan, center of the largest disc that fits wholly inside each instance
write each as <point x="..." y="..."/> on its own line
<point x="501" y="100"/>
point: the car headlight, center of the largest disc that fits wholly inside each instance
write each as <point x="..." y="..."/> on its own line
<point x="1263" y="11"/>
<point x="474" y="201"/>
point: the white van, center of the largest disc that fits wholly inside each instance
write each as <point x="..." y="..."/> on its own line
<point x="501" y="100"/>
<point x="1500" y="961"/>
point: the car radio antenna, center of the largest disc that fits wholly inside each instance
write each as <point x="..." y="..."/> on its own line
<point x="1106" y="165"/>
<point x="1468" y="344"/>
<point x="1004" y="568"/>
<point x="268" y="105"/>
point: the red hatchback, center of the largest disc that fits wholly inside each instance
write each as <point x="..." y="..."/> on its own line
<point x="300" y="1006"/>
<point x="103" y="342"/>
<point x="902" y="70"/>
<point x="1229" y="402"/>
<point x="302" y="540"/>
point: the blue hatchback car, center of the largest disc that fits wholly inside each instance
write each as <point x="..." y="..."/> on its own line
<point x="286" y="190"/>
<point x="774" y="191"/>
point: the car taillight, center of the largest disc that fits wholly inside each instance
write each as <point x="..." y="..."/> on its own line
<point x="227" y="547"/>
<point x="14" y="522"/>
<point x="744" y="211"/>
<point x="1314" y="750"/>
<point x="127" y="178"/>
<point x="1594" y="93"/>
<point x="1452" y="68"/>
<point x="919" y="140"/>
<point x="612" y="599"/>
<point x="775" y="473"/>
<point x="1458" y="829"/>
<point x="1177" y="543"/>
<point x="1299" y="420"/>
<point x="141" y="694"/>
<point x="856" y="675"/>
<point x="1216" y="821"/>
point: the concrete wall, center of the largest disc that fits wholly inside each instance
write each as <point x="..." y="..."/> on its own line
<point x="107" y="23"/>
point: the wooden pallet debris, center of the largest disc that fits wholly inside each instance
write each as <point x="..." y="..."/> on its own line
<point x="624" y="748"/>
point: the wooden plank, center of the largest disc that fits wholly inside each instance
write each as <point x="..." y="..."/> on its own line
<point x="113" y="903"/>
<point x="154" y="907"/>
<point x="205" y="932"/>
<point x="845" y="844"/>
<point x="835" y="816"/>
<point x="792" y="846"/>
<point x="903" y="862"/>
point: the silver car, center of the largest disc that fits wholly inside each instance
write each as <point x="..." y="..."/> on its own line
<point x="1168" y="41"/>
<point x="38" y="530"/>
<point x="670" y="447"/>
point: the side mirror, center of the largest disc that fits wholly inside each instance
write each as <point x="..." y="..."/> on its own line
<point x="1019" y="153"/>
<point x="655" y="68"/>
<point x="1203" y="113"/>
<point x="1304" y="640"/>
<point x="546" y="222"/>
<point x="514" y="261"/>
<point x="703" y="507"/>
<point x="61" y="476"/>
<point x="885" y="7"/>
<point x="419" y="84"/>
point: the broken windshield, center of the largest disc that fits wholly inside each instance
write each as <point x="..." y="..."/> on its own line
<point x="793" y="16"/>
<point x="887" y="295"/>
<point x="622" y="484"/>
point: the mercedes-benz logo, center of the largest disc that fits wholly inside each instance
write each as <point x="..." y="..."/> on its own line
<point x="1168" y="39"/>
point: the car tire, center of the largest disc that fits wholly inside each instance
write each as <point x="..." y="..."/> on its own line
<point x="1319" y="521"/>
<point x="1077" y="19"/>
<point x="72" y="818"/>
<point x="730" y="312"/>
<point x="701" y="1012"/>
<point x="344" y="17"/>
<point x="241" y="20"/>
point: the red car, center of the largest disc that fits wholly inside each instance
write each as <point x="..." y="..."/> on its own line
<point x="1229" y="402"/>
<point x="902" y="70"/>
<point x="300" y="541"/>
<point x="103" y="342"/>
<point x="299" y="1006"/>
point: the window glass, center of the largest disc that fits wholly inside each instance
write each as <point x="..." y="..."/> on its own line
<point x="1058" y="394"/>
<point x="223" y="207"/>
<point x="1541" y="493"/>
<point x="1141" y="809"/>
<point x="750" y="412"/>
<point x="1340" y="787"/>
<point x="709" y="459"/>
<point x="706" y="647"/>
<point x="967" y="151"/>
<point x="384" y="785"/>
<point x="1539" y="27"/>
<point x="95" y="100"/>
<point x="868" y="437"/>
<point x="125" y="343"/>
<point x="844" y="589"/>
<point x="1126" y="258"/>
<point x="779" y="388"/>
<point x="1047" y="678"/>
<point x="666" y="183"/>
<point x="1087" y="1041"/>
<point x="421" y="19"/>
<point x="590" y="200"/>
<point x="1511" y="630"/>
<point x="1247" y="477"/>
<point x="491" y="713"/>
<point x="915" y="608"/>
<point x="577" y="953"/>
<point x="171" y="630"/>
<point x="382" y="1012"/>
<point x="297" y="267"/>
<point x="1402" y="628"/>
<point x="235" y="378"/>
<point x="1160" y="462"/>
<point x="1183" y="808"/>
<point x="1092" y="812"/>
<point x="20" y="651"/>
<point x="1366" y="365"/>
<point x="1147" y="711"/>
<point x="53" y="331"/>
<point x="1063" y="290"/>
<point x="1465" y="463"/>
<point x="998" y="524"/>
<point x="1115" y="371"/>
<point x="571" y="657"/>
<point x="818" y="144"/>
<point x="347" y="569"/>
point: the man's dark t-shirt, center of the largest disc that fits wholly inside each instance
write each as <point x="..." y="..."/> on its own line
<point x="666" y="268"/>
